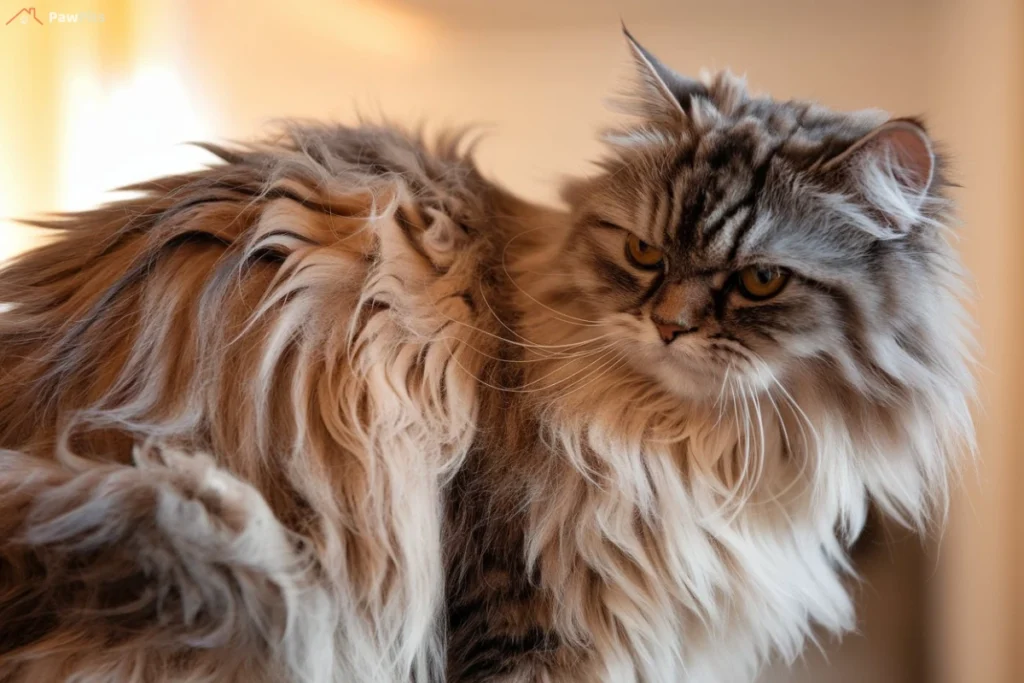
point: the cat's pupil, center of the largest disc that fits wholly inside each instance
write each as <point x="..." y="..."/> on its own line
<point x="764" y="276"/>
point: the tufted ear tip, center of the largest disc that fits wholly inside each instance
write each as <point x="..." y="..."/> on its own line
<point x="626" y="33"/>
<point x="638" y="50"/>
<point x="663" y="95"/>
<point x="654" y="77"/>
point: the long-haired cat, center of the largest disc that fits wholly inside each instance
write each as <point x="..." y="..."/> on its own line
<point x="339" y="409"/>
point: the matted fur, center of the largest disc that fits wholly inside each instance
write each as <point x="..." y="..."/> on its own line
<point x="339" y="409"/>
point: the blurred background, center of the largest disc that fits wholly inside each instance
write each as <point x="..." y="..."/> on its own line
<point x="98" y="93"/>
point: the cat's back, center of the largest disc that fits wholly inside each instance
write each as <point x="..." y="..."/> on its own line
<point x="184" y="265"/>
<point x="308" y="316"/>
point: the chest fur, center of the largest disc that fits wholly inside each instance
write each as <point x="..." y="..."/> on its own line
<point x="585" y="550"/>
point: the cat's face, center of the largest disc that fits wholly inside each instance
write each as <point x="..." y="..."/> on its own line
<point x="748" y="239"/>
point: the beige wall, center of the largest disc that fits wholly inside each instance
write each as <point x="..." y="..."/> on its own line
<point x="537" y="71"/>
<point x="541" y="86"/>
<point x="978" y="109"/>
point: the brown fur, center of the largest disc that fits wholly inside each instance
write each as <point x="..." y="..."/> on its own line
<point x="254" y="311"/>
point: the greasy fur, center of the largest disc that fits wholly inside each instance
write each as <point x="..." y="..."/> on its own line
<point x="339" y="409"/>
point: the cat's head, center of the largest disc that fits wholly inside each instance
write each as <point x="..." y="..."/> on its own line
<point x="729" y="237"/>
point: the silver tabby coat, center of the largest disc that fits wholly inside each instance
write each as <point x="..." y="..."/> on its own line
<point x="338" y="409"/>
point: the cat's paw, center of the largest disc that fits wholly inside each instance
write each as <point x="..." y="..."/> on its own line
<point x="201" y="508"/>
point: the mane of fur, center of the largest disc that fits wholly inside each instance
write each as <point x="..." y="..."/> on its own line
<point x="298" y="312"/>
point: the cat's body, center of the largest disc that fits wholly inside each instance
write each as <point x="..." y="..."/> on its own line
<point x="445" y="440"/>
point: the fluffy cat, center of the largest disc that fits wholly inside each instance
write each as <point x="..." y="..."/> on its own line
<point x="340" y="409"/>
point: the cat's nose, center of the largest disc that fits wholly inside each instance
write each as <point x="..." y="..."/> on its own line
<point x="681" y="307"/>
<point x="669" y="331"/>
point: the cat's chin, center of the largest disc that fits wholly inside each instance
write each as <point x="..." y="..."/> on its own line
<point x="682" y="376"/>
<point x="700" y="380"/>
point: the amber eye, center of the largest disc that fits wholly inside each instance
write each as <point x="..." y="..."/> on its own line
<point x="643" y="255"/>
<point x="762" y="282"/>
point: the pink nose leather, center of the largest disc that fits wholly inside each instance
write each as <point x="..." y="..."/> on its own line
<point x="669" y="331"/>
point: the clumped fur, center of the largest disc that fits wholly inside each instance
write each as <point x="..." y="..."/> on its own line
<point x="338" y="408"/>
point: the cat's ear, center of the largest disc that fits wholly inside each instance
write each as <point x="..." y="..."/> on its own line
<point x="892" y="168"/>
<point x="663" y="95"/>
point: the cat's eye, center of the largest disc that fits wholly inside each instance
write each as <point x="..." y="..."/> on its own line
<point x="643" y="255"/>
<point x="761" y="282"/>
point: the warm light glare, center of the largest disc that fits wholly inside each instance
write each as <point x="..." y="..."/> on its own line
<point x="128" y="132"/>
